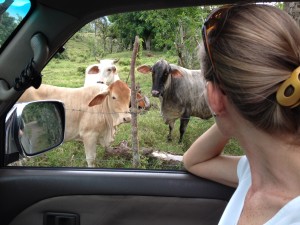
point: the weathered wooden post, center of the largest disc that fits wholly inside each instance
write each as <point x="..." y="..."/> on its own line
<point x="134" y="110"/>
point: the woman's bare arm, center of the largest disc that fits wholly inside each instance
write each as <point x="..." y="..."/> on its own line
<point x="204" y="158"/>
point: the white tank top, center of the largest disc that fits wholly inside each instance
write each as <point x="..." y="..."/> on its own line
<point x="287" y="215"/>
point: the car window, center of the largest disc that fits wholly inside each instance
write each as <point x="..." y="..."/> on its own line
<point x="12" y="12"/>
<point x="170" y="34"/>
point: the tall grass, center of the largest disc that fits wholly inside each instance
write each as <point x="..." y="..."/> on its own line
<point x="68" y="70"/>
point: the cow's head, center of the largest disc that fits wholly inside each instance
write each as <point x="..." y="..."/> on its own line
<point x="117" y="96"/>
<point x="105" y="72"/>
<point x="161" y="71"/>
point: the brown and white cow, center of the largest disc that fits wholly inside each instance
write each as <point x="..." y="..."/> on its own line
<point x="181" y="93"/>
<point x="91" y="114"/>
<point x="104" y="72"/>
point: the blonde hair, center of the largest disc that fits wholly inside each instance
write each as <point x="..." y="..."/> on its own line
<point x="256" y="50"/>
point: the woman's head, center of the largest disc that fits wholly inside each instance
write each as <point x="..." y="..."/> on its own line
<point x="250" y="51"/>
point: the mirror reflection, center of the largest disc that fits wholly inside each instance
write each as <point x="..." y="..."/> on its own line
<point x="40" y="127"/>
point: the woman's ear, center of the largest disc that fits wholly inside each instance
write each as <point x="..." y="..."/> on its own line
<point x="215" y="98"/>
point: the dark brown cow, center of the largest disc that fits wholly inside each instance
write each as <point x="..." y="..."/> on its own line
<point x="181" y="93"/>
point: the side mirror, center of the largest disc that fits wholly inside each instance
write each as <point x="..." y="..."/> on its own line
<point x="33" y="128"/>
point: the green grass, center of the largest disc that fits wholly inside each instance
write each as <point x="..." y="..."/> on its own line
<point x="68" y="71"/>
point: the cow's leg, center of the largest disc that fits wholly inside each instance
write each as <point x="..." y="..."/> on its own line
<point x="184" y="120"/>
<point x="90" y="148"/>
<point x="171" y="127"/>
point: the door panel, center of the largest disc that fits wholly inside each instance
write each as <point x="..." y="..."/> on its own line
<point x="126" y="210"/>
<point x="109" y="197"/>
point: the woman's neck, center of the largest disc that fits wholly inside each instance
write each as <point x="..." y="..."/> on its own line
<point x="274" y="162"/>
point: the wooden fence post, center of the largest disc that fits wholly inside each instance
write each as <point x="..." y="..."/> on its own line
<point x="134" y="110"/>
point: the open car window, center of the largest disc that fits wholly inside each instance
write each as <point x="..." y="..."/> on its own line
<point x="110" y="41"/>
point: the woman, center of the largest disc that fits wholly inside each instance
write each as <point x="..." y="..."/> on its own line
<point x="251" y="61"/>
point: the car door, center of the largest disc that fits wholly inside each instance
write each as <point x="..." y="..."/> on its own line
<point x="84" y="196"/>
<point x="67" y="195"/>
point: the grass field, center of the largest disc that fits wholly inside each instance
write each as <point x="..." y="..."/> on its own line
<point x="68" y="71"/>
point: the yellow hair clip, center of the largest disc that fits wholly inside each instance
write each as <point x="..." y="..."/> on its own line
<point x="286" y="98"/>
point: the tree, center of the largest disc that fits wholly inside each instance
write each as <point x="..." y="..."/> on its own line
<point x="177" y="30"/>
<point x="158" y="28"/>
<point x="188" y="35"/>
<point x="99" y="30"/>
<point x="128" y="25"/>
<point x="7" y="26"/>
<point x="293" y="8"/>
<point x="4" y="6"/>
<point x="102" y="30"/>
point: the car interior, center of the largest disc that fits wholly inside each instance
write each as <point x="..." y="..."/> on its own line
<point x="84" y="196"/>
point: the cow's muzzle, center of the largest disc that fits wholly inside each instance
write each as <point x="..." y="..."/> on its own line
<point x="155" y="93"/>
<point x="127" y="119"/>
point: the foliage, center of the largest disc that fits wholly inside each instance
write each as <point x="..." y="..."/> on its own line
<point x="7" y="26"/>
<point x="279" y="5"/>
<point x="156" y="26"/>
<point x="173" y="30"/>
<point x="40" y="114"/>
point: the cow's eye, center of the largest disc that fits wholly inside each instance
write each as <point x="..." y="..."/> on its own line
<point x="109" y="70"/>
<point x="113" y="97"/>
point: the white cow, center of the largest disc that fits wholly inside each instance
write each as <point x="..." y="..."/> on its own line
<point x="104" y="72"/>
<point x="91" y="115"/>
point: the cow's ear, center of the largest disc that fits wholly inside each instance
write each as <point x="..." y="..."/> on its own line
<point x="98" y="99"/>
<point x="144" y="69"/>
<point x="176" y="73"/>
<point x="94" y="70"/>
